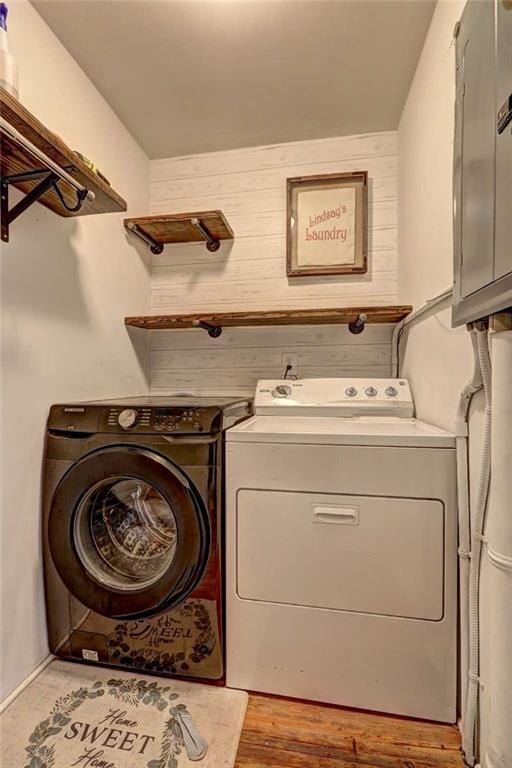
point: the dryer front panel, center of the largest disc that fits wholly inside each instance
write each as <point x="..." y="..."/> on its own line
<point x="341" y="552"/>
<point x="341" y="575"/>
<point x="128" y="532"/>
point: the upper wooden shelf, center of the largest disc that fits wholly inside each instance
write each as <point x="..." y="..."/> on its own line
<point x="342" y="315"/>
<point x="201" y="226"/>
<point x="15" y="159"/>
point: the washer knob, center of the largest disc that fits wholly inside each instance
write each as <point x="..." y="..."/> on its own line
<point x="370" y="392"/>
<point x="127" y="418"/>
<point x="391" y="391"/>
<point x="282" y="390"/>
<point x="351" y="392"/>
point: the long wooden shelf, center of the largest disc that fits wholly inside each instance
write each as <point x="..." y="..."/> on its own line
<point x="15" y="159"/>
<point x="341" y="315"/>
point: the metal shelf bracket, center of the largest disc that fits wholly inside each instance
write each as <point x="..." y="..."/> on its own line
<point x="211" y="242"/>
<point x="48" y="179"/>
<point x="357" y="325"/>
<point x="213" y="330"/>
<point x="154" y="247"/>
<point x="50" y="175"/>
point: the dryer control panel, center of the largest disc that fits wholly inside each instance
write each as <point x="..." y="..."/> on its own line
<point x="346" y="398"/>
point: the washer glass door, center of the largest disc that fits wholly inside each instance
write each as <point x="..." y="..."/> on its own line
<point x="125" y="533"/>
<point x="129" y="532"/>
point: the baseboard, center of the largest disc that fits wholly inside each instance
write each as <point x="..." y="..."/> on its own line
<point x="21" y="687"/>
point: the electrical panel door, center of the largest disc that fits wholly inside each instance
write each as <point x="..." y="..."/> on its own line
<point x="483" y="161"/>
<point x="503" y="235"/>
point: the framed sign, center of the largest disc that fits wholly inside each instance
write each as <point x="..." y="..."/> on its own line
<point x="327" y="224"/>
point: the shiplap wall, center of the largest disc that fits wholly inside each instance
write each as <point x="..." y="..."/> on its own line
<point x="249" y="185"/>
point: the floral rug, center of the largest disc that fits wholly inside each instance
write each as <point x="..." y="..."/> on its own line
<point x="77" y="716"/>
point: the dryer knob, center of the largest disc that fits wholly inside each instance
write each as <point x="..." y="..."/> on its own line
<point x="282" y="390"/>
<point x="127" y="418"/>
<point x="371" y="392"/>
<point x="391" y="391"/>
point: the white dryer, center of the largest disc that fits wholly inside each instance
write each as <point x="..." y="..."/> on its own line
<point x="342" y="549"/>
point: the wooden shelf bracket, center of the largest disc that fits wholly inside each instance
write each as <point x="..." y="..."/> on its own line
<point x="49" y="176"/>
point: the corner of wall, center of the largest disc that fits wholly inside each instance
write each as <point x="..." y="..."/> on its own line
<point x="425" y="159"/>
<point x="425" y="149"/>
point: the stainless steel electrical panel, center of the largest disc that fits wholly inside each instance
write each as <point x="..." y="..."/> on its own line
<point x="483" y="161"/>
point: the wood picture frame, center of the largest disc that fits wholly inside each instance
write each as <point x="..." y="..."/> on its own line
<point x="327" y="224"/>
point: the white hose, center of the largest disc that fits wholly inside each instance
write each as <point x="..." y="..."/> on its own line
<point x="477" y="528"/>
<point x="498" y="533"/>
<point x="461" y="432"/>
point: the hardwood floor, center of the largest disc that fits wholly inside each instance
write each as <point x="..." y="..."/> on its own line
<point x="280" y="733"/>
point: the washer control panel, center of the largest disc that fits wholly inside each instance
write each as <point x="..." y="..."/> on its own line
<point x="179" y="420"/>
<point x="163" y="419"/>
<point x="348" y="398"/>
<point x="198" y="416"/>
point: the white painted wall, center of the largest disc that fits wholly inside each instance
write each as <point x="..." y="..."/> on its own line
<point x="66" y="286"/>
<point x="249" y="185"/>
<point x="436" y="358"/>
<point x="425" y="147"/>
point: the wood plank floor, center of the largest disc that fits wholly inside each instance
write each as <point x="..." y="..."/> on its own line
<point x="281" y="733"/>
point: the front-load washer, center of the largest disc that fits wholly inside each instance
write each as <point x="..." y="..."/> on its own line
<point x="342" y="549"/>
<point x="132" y="520"/>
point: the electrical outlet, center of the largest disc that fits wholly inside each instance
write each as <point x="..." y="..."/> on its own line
<point x="292" y="359"/>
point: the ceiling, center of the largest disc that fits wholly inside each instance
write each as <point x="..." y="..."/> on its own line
<point x="189" y="76"/>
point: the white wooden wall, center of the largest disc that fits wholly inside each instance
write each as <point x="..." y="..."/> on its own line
<point x="189" y="361"/>
<point x="249" y="185"/>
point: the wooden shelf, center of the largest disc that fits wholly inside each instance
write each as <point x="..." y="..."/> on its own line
<point x="344" y="315"/>
<point x="15" y="159"/>
<point x="158" y="231"/>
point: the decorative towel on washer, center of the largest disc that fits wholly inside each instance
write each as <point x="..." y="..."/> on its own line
<point x="77" y="716"/>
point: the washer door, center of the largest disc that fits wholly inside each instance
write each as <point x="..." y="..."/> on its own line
<point x="128" y="532"/>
